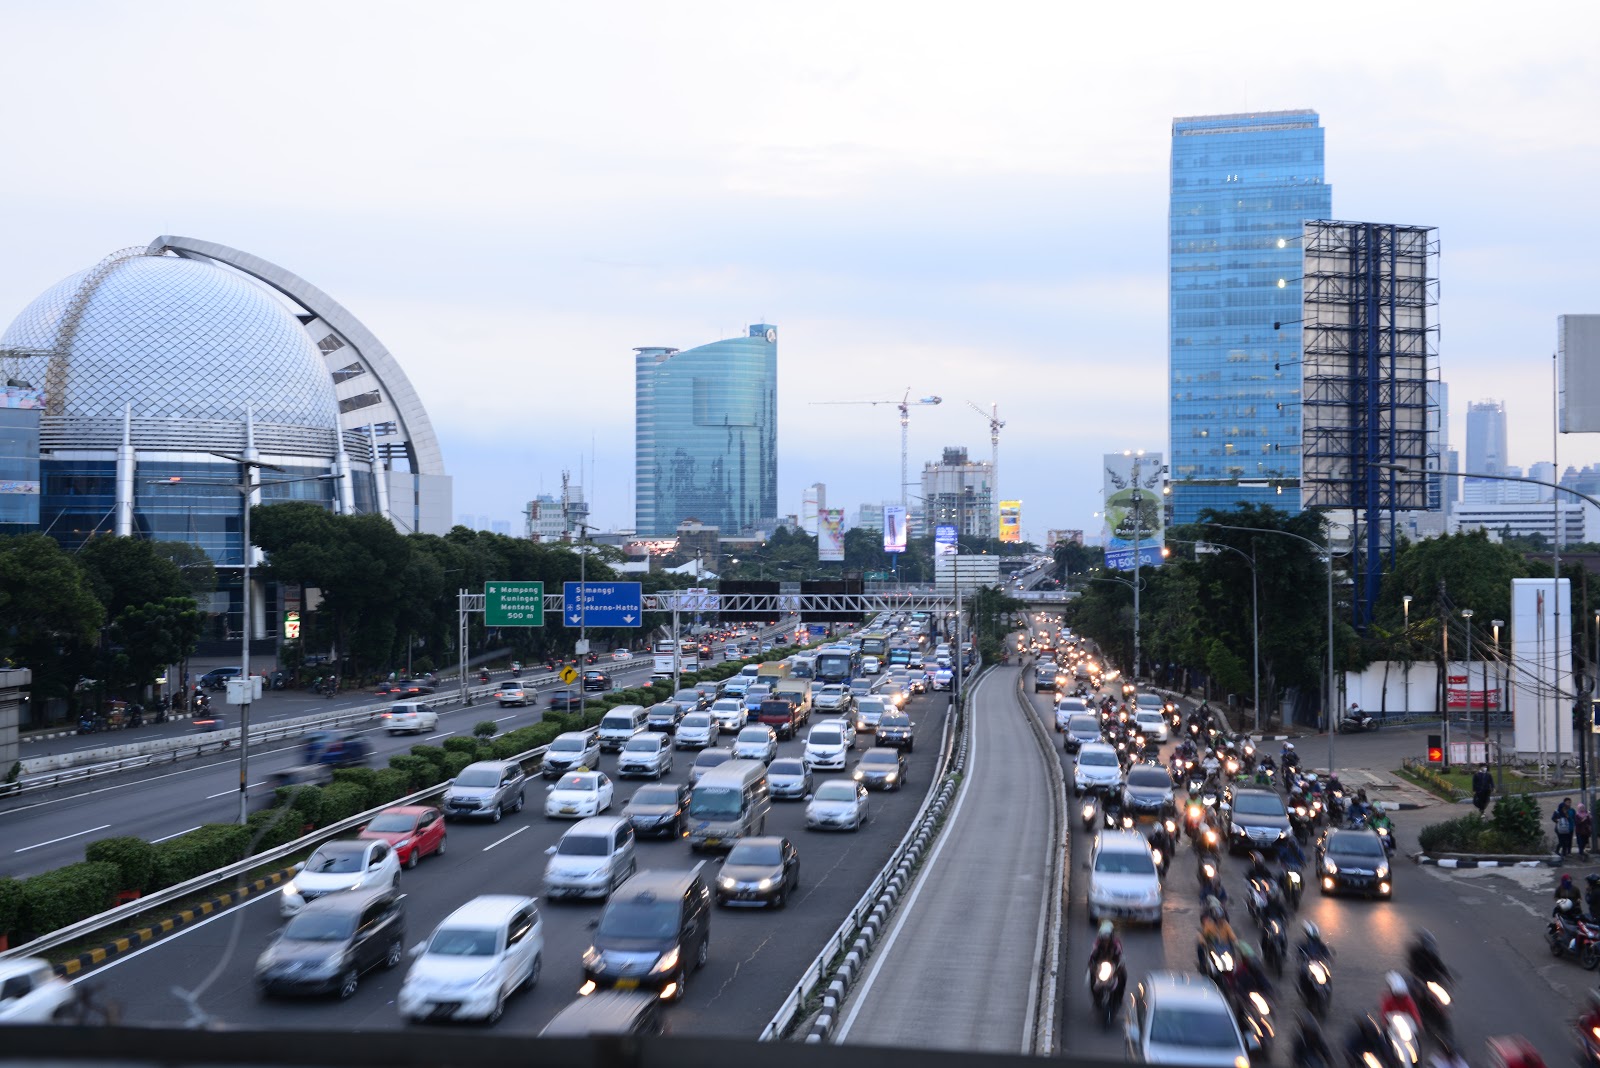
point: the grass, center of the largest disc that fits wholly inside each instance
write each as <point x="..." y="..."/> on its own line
<point x="1456" y="784"/>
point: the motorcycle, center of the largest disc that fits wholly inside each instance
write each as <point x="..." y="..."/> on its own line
<point x="1255" y="1020"/>
<point x="1300" y="822"/>
<point x="1104" y="982"/>
<point x="1433" y="1001"/>
<point x="1588" y="1046"/>
<point x="1357" y="723"/>
<point x="1274" y="944"/>
<point x="1405" y="1045"/>
<point x="1195" y="784"/>
<point x="1216" y="963"/>
<point x="88" y="725"/>
<point x="1315" y="980"/>
<point x="1255" y="898"/>
<point x="1193" y="818"/>
<point x="483" y="676"/>
<point x="1091" y="811"/>
<point x="1385" y="829"/>
<point x="1575" y="939"/>
<point x="1292" y="883"/>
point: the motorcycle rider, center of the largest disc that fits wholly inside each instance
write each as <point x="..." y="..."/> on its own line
<point x="1290" y="854"/>
<point x="1566" y="890"/>
<point x="1215" y="930"/>
<point x="1161" y="840"/>
<point x="1366" y="1037"/>
<point x="1289" y="759"/>
<point x="1591" y="896"/>
<point x="1397" y="998"/>
<point x="1589" y="1022"/>
<point x="1424" y="961"/>
<point x="1312" y="945"/>
<point x="1249" y="977"/>
<point x="1107" y="946"/>
<point x="1310" y="1045"/>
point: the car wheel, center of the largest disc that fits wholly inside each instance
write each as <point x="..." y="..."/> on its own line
<point x="780" y="899"/>
<point x="414" y="856"/>
<point x="531" y="980"/>
<point x="497" y="1011"/>
<point x="348" y="983"/>
<point x="518" y="806"/>
<point x="395" y="955"/>
<point x="499" y="810"/>
<point x="703" y="954"/>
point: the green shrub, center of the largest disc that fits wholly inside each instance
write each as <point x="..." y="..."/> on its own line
<point x="305" y="799"/>
<point x="1460" y="835"/>
<point x="54" y="899"/>
<point x="543" y="734"/>
<point x="505" y="747"/>
<point x="1516" y="816"/>
<point x="459" y="745"/>
<point x="419" y="773"/>
<point x="431" y="753"/>
<point x="366" y="778"/>
<point x="134" y="858"/>
<point x="343" y="800"/>
<point x="454" y="762"/>
<point x="203" y="849"/>
<point x="10" y="905"/>
<point x="391" y="784"/>
<point x="273" y="827"/>
<point x="485" y="728"/>
<point x="422" y="665"/>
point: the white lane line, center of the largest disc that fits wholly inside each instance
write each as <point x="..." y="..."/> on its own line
<point x="153" y="841"/>
<point x="507" y="838"/>
<point x="63" y="838"/>
<point x="102" y="968"/>
<point x="502" y="719"/>
<point x="442" y="734"/>
<point x="235" y="790"/>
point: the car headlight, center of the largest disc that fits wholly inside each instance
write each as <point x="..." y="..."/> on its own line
<point x="890" y="776"/>
<point x="726" y="883"/>
<point x="667" y="962"/>
<point x="764" y="884"/>
<point x="291" y="888"/>
<point x="859" y="774"/>
<point x="1330" y="867"/>
<point x="592" y="959"/>
<point x="1383" y="873"/>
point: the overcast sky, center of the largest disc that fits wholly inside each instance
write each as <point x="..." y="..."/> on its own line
<point x="967" y="199"/>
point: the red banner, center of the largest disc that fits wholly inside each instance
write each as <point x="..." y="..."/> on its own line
<point x="1482" y="700"/>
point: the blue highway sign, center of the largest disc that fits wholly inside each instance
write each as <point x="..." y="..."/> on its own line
<point x="602" y="604"/>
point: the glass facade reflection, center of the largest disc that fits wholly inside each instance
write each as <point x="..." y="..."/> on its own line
<point x="1242" y="185"/>
<point x="706" y="434"/>
<point x="19" y="470"/>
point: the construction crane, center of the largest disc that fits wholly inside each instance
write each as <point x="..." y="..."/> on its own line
<point x="903" y="405"/>
<point x="995" y="423"/>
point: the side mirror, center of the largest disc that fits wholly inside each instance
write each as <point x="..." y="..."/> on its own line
<point x="808" y="797"/>
<point x="594" y="924"/>
<point x="550" y="852"/>
<point x="300" y="866"/>
<point x="449" y="782"/>
<point x="549" y="788"/>
<point x="418" y="949"/>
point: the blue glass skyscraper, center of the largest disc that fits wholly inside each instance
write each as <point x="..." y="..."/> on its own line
<point x="706" y="434"/>
<point x="1242" y="185"/>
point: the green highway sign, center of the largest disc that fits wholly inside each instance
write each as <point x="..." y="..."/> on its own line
<point x="513" y="604"/>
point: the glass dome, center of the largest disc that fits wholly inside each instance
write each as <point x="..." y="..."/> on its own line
<point x="176" y="338"/>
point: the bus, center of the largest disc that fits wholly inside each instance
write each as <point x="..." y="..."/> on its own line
<point x="837" y="663"/>
<point x="874" y="643"/>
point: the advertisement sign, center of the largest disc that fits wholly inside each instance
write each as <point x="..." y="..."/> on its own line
<point x="1011" y="521"/>
<point x="1481" y="699"/>
<point x="944" y="539"/>
<point x="830" y="534"/>
<point x="894" y="528"/>
<point x="1133" y="509"/>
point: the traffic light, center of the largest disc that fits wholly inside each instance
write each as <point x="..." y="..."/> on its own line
<point x="1435" y="749"/>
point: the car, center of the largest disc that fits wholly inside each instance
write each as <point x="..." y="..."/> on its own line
<point x="1147" y="791"/>
<point x="832" y="697"/>
<point x="882" y="768"/>
<point x="838" y="804"/>
<point x="1151" y="724"/>
<point x="645" y="754"/>
<point x="788" y="778"/>
<point x="328" y="945"/>
<point x="707" y="759"/>
<point x="413" y="687"/>
<point x="943" y="677"/>
<point x="756" y="742"/>
<point x="621" y="654"/>
<point x="658" y="810"/>
<point x="596" y="681"/>
<point x="1354" y="861"/>
<point x="1067" y="707"/>
<point x="412" y="717"/>
<point x="1044" y="678"/>
<point x="629" y="1014"/>
<point x="689" y="700"/>
<point x="481" y="954"/>
<point x="1123" y="881"/>
<point x="486" y="789"/>
<point x="577" y="794"/>
<point x="664" y="716"/>
<point x="1258" y="821"/>
<point x="695" y="731"/>
<point x="592" y="858"/>
<point x="730" y="714"/>
<point x="1096" y="769"/>
<point x="871" y="665"/>
<point x="1176" y="1018"/>
<point x="1082" y="728"/>
<point x="655" y="930"/>
<point x="570" y="751"/>
<point x="759" y="871"/>
<point x="217" y="678"/>
<point x="755" y="693"/>
<point x="31" y="992"/>
<point x="342" y="864"/>
<point x="826" y="747"/>
<point x="894" y="730"/>
<point x="512" y="693"/>
<point x="869" y="710"/>
<point x="414" y="831"/>
<point x="565" y="699"/>
<point x="860" y="688"/>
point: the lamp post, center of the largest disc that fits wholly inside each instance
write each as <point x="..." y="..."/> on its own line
<point x="1405" y="604"/>
<point x="1466" y="614"/>
<point x="1500" y="674"/>
<point x="1255" y="617"/>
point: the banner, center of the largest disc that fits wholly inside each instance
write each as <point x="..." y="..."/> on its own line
<point x="1133" y="509"/>
<point x="944" y="539"/>
<point x="830" y="534"/>
<point x="1011" y="521"/>
<point x="894" y="528"/>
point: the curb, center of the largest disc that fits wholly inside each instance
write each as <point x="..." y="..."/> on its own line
<point x="53" y="735"/>
<point x="1475" y="862"/>
<point x="145" y="935"/>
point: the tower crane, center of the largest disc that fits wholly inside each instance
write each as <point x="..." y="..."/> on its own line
<point x="904" y="406"/>
<point x="995" y="423"/>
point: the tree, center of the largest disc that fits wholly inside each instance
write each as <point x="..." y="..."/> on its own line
<point x="124" y="572"/>
<point x="51" y="617"/>
<point x="199" y="574"/>
<point x="149" y="637"/>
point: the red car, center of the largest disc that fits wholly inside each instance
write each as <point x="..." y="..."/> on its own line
<point x="413" y="830"/>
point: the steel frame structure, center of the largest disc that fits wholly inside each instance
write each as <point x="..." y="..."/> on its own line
<point x="1370" y="348"/>
<point x="771" y="603"/>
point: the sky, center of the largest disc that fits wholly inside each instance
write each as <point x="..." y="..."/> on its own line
<point x="967" y="200"/>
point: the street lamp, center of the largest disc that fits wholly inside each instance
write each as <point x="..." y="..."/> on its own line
<point x="1405" y="604"/>
<point x="1255" y="617"/>
<point x="1500" y="673"/>
<point x="1466" y="614"/>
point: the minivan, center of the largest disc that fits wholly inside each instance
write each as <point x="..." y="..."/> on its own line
<point x="592" y="858"/>
<point x="487" y="788"/>
<point x="477" y="957"/>
<point x="611" y="1012"/>
<point x="620" y="724"/>
<point x="729" y="802"/>
<point x="655" y="930"/>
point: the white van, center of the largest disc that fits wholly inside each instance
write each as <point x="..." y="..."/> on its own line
<point x="482" y="952"/>
<point x="620" y="724"/>
<point x="729" y="802"/>
<point x="594" y="857"/>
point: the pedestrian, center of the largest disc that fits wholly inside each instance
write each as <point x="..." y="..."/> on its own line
<point x="1562" y="817"/>
<point x="1482" y="788"/>
<point x="1582" y="828"/>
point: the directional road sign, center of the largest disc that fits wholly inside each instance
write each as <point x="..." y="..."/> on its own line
<point x="513" y="604"/>
<point x="603" y="604"/>
<point x="569" y="674"/>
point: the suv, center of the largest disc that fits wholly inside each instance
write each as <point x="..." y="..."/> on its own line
<point x="664" y="716"/>
<point x="655" y="930"/>
<point x="413" y="716"/>
<point x="695" y="731"/>
<point x="591" y="859"/>
<point x="1175" y="1018"/>
<point x="1259" y="820"/>
<point x="894" y="729"/>
<point x="1044" y="678"/>
<point x="570" y="751"/>
<point x="1123" y="881"/>
<point x="480" y="955"/>
<point x="331" y="941"/>
<point x="487" y="789"/>
<point x="1096" y="769"/>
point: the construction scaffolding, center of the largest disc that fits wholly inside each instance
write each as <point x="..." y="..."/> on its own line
<point x="1370" y="349"/>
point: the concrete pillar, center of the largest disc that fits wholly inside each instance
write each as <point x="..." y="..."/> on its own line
<point x="126" y="468"/>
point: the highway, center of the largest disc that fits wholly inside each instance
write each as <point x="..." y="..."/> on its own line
<point x="756" y="956"/>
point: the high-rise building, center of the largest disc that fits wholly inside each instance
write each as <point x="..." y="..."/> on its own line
<point x="960" y="492"/>
<point x="1242" y="185"/>
<point x="870" y="517"/>
<point x="1486" y="451"/>
<point x="812" y="501"/>
<point x="706" y="434"/>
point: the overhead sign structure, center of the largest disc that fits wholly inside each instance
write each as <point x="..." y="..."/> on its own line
<point x="602" y="604"/>
<point x="1011" y="521"/>
<point x="513" y="604"/>
<point x="894" y="528"/>
<point x="944" y="539"/>
<point x="830" y="534"/>
<point x="1133" y="501"/>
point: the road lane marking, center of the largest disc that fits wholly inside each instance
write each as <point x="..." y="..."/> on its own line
<point x="161" y="943"/>
<point x="153" y="841"/>
<point x="507" y="838"/>
<point x="235" y="790"/>
<point x="63" y="838"/>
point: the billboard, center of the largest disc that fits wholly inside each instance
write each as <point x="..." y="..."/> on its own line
<point x="894" y="528"/>
<point x="944" y="539"/>
<point x="1011" y="521"/>
<point x="1542" y="692"/>
<point x="830" y="534"/>
<point x="1133" y="508"/>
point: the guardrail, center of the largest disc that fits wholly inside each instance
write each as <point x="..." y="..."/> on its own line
<point x="1042" y="1024"/>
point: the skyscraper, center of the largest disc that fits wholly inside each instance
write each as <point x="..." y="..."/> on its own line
<point x="1242" y="185"/>
<point x="706" y="434"/>
<point x="960" y="492"/>
<point x="812" y="501"/>
<point x="1486" y="451"/>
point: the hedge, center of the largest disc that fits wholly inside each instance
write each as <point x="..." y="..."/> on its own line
<point x="1514" y="828"/>
<point x="215" y="845"/>
<point x="460" y="745"/>
<point x="305" y="799"/>
<point x="431" y="753"/>
<point x="455" y="762"/>
<point x="366" y="778"/>
<point x="272" y="827"/>
<point x="343" y="800"/>
<point x="54" y="899"/>
<point x="10" y="904"/>
<point x="390" y="785"/>
<point x="420" y="773"/>
<point x="135" y="859"/>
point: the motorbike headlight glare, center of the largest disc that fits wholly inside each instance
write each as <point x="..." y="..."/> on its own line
<point x="1105" y="971"/>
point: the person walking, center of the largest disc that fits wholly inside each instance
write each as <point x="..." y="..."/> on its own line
<point x="1582" y="829"/>
<point x="1482" y="788"/>
<point x="1562" y="817"/>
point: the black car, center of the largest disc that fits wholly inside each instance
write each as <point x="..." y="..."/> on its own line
<point x="1354" y="861"/>
<point x="596" y="681"/>
<point x="566" y="699"/>
<point x="329" y="943"/>
<point x="894" y="730"/>
<point x="690" y="700"/>
<point x="664" y="716"/>
<point x="658" y="810"/>
<point x="1147" y="791"/>
<point x="1259" y="821"/>
<point x="655" y="930"/>
<point x="882" y="768"/>
<point x="759" y="871"/>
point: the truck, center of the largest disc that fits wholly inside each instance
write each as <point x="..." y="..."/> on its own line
<point x="781" y="715"/>
<point x="797" y="691"/>
<point x="772" y="671"/>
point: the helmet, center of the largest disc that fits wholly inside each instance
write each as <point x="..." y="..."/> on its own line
<point x="1564" y="905"/>
<point x="1106" y="929"/>
<point x="1314" y="932"/>
<point x="1256" y="859"/>
<point x="1288" y="747"/>
<point x="1566" y="879"/>
<point x="1592" y="879"/>
<point x="1427" y="943"/>
<point x="1397" y="984"/>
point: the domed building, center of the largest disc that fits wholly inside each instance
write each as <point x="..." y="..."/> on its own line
<point x="160" y="363"/>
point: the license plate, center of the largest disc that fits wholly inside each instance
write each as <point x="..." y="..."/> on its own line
<point x="713" y="841"/>
<point x="627" y="984"/>
<point x="567" y="810"/>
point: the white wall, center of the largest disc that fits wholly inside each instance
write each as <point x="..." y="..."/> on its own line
<point x="1542" y="650"/>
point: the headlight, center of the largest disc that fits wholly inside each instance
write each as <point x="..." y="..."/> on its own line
<point x="860" y="774"/>
<point x="726" y="883"/>
<point x="668" y="961"/>
<point x="1440" y="993"/>
<point x="592" y="959"/>
<point x="891" y="776"/>
<point x="1319" y="972"/>
<point x="1105" y="971"/>
<point x="291" y="888"/>
<point x="1260" y="1003"/>
<point x="1383" y="873"/>
<point x="764" y="884"/>
<point x="1330" y="867"/>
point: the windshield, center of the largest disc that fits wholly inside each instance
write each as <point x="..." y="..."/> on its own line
<point x="787" y="766"/>
<point x="826" y="738"/>
<point x="639" y="919"/>
<point x="1149" y="777"/>
<point x="1258" y="805"/>
<point x="698" y="719"/>
<point x="623" y="722"/>
<point x="715" y="802"/>
<point x="758" y="735"/>
<point x="727" y="704"/>
<point x="1098" y="759"/>
<point x="1117" y="863"/>
<point x="335" y="862"/>
<point x="1071" y="704"/>
<point x="463" y="942"/>
<point x="479" y="777"/>
<point x="584" y="845"/>
<point x="320" y="927"/>
<point x="879" y="758"/>
<point x="691" y="696"/>
<point x="581" y="783"/>
<point x="757" y="692"/>
<point x="1084" y="723"/>
<point x="656" y="795"/>
<point x="1193" y="1028"/>
<point x="568" y="745"/>
<point x="1356" y="845"/>
<point x="641" y="745"/>
<point x="766" y="854"/>
<point x="393" y="823"/>
<point x="710" y="758"/>
<point x="836" y="791"/>
<point x="894" y="719"/>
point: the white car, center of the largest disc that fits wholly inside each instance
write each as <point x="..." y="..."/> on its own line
<point x="1123" y="881"/>
<point x="482" y="953"/>
<point x="756" y="742"/>
<point x="645" y="754"/>
<point x="1174" y="1018"/>
<point x="511" y="694"/>
<point x="31" y="992"/>
<point x="410" y="716"/>
<point x="622" y="654"/>
<point x="1067" y="707"/>
<point x="826" y="748"/>
<point x="578" y="794"/>
<point x="729" y="714"/>
<point x="345" y="864"/>
<point x="838" y="805"/>
<point x="571" y="751"/>
<point x="871" y="665"/>
<point x="1151" y="724"/>
<point x="1096" y="768"/>
<point x="695" y="731"/>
